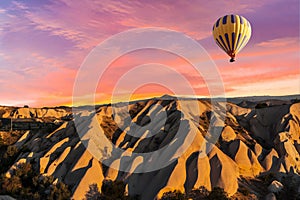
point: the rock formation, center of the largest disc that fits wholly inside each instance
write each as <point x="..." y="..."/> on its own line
<point x="199" y="147"/>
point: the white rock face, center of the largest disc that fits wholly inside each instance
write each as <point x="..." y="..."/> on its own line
<point x="275" y="186"/>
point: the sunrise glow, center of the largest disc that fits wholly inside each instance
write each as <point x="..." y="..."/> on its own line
<point x="43" y="44"/>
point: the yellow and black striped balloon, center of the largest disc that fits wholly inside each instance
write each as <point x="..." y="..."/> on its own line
<point x="232" y="33"/>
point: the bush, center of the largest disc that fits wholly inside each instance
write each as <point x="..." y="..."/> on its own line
<point x="93" y="193"/>
<point x="10" y="138"/>
<point x="218" y="193"/>
<point x="10" y="152"/>
<point x="175" y="195"/>
<point x="9" y="157"/>
<point x="27" y="184"/>
<point x="59" y="191"/>
<point x="197" y="194"/>
<point x="23" y="170"/>
<point x="113" y="189"/>
<point x="11" y="186"/>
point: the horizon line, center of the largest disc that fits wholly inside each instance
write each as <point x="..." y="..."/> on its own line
<point x="154" y="97"/>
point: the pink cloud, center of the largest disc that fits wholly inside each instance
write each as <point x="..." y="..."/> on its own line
<point x="280" y="42"/>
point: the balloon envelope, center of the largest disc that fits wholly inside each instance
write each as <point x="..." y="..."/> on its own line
<point x="232" y="33"/>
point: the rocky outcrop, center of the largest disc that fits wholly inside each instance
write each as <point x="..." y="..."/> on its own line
<point x="196" y="146"/>
<point x="17" y="112"/>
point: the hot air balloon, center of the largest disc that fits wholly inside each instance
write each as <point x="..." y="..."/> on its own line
<point x="232" y="33"/>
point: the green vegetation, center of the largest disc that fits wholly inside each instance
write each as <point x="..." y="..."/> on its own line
<point x="9" y="138"/>
<point x="8" y="152"/>
<point x="218" y="193"/>
<point x="197" y="194"/>
<point x="25" y="183"/>
<point x="111" y="190"/>
<point x="93" y="193"/>
<point x="175" y="195"/>
<point x="8" y="157"/>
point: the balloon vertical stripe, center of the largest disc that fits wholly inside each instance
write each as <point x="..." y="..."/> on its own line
<point x="227" y="40"/>
<point x="232" y="19"/>
<point x="233" y="40"/>
<point x="223" y="43"/>
<point x="220" y="45"/>
<point x="217" y="24"/>
<point x="225" y="19"/>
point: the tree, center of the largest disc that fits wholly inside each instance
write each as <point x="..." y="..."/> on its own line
<point x="93" y="193"/>
<point x="59" y="191"/>
<point x="10" y="152"/>
<point x="25" y="183"/>
<point x="11" y="185"/>
<point x="113" y="189"/>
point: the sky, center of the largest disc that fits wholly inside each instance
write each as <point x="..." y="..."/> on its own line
<point x="44" y="43"/>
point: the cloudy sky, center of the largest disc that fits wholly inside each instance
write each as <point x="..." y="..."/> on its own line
<point x="44" y="43"/>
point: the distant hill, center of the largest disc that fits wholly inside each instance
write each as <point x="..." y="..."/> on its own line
<point x="237" y="100"/>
